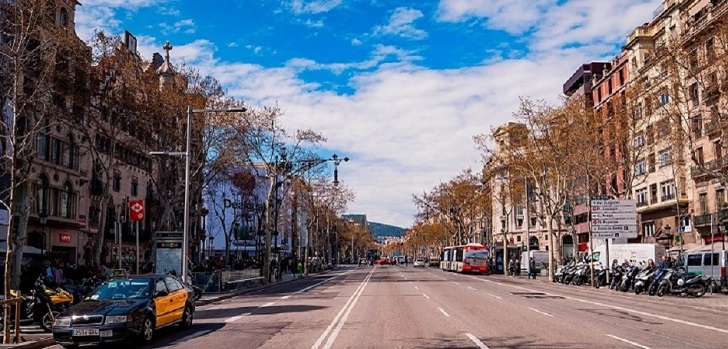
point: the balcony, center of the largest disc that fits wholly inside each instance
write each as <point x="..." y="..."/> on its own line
<point x="702" y="220"/>
<point x="667" y="197"/>
<point x="641" y="203"/>
<point x="709" y="168"/>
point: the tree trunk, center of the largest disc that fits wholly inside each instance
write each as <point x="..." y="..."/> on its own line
<point x="269" y="205"/>
<point x="550" y="229"/>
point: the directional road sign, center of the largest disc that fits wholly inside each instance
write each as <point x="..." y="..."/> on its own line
<point x="612" y="215"/>
<point x="611" y="218"/>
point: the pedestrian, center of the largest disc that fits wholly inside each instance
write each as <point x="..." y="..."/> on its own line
<point x="512" y="267"/>
<point x="532" y="268"/>
<point x="665" y="263"/>
<point x="518" y="267"/>
<point x="299" y="269"/>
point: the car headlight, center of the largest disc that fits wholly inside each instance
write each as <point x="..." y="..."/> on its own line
<point x="62" y="322"/>
<point x="117" y="319"/>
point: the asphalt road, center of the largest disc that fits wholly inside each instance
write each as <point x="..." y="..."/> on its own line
<point x="404" y="307"/>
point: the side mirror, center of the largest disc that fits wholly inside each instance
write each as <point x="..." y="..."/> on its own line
<point x="160" y="293"/>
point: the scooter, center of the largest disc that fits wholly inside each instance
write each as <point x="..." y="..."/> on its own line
<point x="44" y="303"/>
<point x="681" y="283"/>
<point x="643" y="279"/>
<point x="656" y="278"/>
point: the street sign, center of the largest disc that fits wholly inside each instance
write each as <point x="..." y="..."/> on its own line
<point x="612" y="218"/>
<point x="612" y="215"/>
<point x="613" y="228"/>
<point x="136" y="210"/>
<point x="607" y="222"/>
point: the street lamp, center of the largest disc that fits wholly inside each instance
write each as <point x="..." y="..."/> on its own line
<point x="43" y="217"/>
<point x="188" y="155"/>
<point x="203" y="232"/>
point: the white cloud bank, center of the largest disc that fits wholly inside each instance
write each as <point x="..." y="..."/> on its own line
<point x="407" y="128"/>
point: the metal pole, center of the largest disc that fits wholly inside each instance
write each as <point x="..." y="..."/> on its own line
<point x="528" y="230"/>
<point x="591" y="238"/>
<point x="186" y="218"/>
<point x="118" y="234"/>
<point x="712" y="247"/>
<point x="137" y="246"/>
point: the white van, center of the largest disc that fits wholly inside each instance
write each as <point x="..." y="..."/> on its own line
<point x="540" y="257"/>
<point x="700" y="262"/>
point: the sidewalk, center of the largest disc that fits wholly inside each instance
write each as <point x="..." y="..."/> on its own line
<point x="216" y="297"/>
<point x="716" y="300"/>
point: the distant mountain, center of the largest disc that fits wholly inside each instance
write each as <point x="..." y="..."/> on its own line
<point x="380" y="229"/>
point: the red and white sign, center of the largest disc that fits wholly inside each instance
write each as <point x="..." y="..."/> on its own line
<point x="64" y="238"/>
<point x="136" y="210"/>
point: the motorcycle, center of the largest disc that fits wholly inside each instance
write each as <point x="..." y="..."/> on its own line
<point x="600" y="277"/>
<point x="656" y="278"/>
<point x="44" y="303"/>
<point x="643" y="279"/>
<point x="617" y="275"/>
<point x="627" y="281"/>
<point x="681" y="283"/>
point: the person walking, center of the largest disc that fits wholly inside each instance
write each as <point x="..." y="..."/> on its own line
<point x="532" y="268"/>
<point x="299" y="269"/>
<point x="512" y="267"/>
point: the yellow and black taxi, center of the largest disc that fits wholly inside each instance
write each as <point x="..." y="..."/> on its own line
<point x="126" y="307"/>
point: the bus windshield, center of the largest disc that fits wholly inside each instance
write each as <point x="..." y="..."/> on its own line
<point x="477" y="254"/>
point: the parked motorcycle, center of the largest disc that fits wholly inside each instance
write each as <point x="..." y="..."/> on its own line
<point x="683" y="284"/>
<point x="657" y="276"/>
<point x="44" y="303"/>
<point x="628" y="278"/>
<point x="643" y="279"/>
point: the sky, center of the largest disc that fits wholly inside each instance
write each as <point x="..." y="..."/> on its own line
<point x="399" y="87"/>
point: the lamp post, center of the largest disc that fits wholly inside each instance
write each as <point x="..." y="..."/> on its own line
<point x="203" y="232"/>
<point x="187" y="154"/>
<point x="43" y="218"/>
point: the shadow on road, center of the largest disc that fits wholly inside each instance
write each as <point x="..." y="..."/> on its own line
<point x="208" y="314"/>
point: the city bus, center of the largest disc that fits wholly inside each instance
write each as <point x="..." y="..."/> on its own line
<point x="470" y="258"/>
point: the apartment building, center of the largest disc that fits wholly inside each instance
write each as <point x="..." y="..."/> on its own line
<point x="703" y="31"/>
<point x="511" y="218"/>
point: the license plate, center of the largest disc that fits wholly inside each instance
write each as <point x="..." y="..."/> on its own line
<point x="86" y="332"/>
<point x="107" y="333"/>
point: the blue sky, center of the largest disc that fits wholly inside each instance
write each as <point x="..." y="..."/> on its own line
<point x="400" y="87"/>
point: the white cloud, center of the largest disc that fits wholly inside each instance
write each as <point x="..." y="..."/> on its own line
<point x="356" y="42"/>
<point x="313" y="6"/>
<point x="314" y="24"/>
<point x="233" y="44"/>
<point x="400" y="24"/>
<point x="187" y="24"/>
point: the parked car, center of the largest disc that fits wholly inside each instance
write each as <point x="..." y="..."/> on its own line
<point x="123" y="308"/>
<point x="434" y="262"/>
<point x="419" y="262"/>
<point x="382" y="261"/>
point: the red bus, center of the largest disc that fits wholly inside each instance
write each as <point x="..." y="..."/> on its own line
<point x="470" y="258"/>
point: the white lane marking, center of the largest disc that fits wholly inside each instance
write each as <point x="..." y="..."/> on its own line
<point x="191" y="336"/>
<point x="540" y="312"/>
<point x="456" y="283"/>
<point x="492" y="295"/>
<point x="266" y="304"/>
<point x="665" y="318"/>
<point x="443" y="312"/>
<point x="286" y="297"/>
<point x="342" y="321"/>
<point x="319" y="283"/>
<point x="628" y="341"/>
<point x="472" y="288"/>
<point x="426" y="296"/>
<point x="417" y="288"/>
<point x="333" y="323"/>
<point x="236" y="318"/>
<point x="409" y="281"/>
<point x="476" y="341"/>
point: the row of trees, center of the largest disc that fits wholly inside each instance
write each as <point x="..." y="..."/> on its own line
<point x="115" y="109"/>
<point x="673" y="104"/>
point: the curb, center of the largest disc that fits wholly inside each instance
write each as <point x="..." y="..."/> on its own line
<point x="242" y="292"/>
<point x="43" y="343"/>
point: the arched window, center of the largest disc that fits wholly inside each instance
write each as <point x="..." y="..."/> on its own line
<point x="67" y="200"/>
<point x="41" y="195"/>
<point x="63" y="17"/>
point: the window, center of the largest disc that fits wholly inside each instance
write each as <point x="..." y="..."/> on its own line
<point x="172" y="284"/>
<point x="694" y="260"/>
<point x="668" y="190"/>
<point x="117" y="181"/>
<point x="67" y="200"/>
<point x="648" y="228"/>
<point x="641" y="195"/>
<point x="63" y="17"/>
<point x="41" y="195"/>
<point x="699" y="155"/>
<point x="666" y="157"/>
<point x="639" y="140"/>
<point x="707" y="261"/>
<point x="653" y="193"/>
<point x="43" y="144"/>
<point x="719" y="199"/>
<point x="710" y="50"/>
<point x="640" y="168"/>
<point x="703" y="203"/>
<point x="519" y="210"/>
<point x="518" y="238"/>
<point x="718" y="148"/>
<point x="697" y="126"/>
<point x="519" y="222"/>
<point x="533" y="221"/>
<point x="650" y="133"/>
<point x="664" y="98"/>
<point x="694" y="98"/>
<point x="651" y="162"/>
<point x="160" y="286"/>
<point x="134" y="186"/>
<point x="55" y="151"/>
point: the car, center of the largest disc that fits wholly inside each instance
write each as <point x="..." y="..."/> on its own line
<point x="382" y="261"/>
<point x="419" y="262"/>
<point x="125" y="308"/>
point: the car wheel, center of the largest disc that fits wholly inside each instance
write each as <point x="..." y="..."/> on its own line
<point x="187" y="317"/>
<point x="147" y="333"/>
<point x="48" y="319"/>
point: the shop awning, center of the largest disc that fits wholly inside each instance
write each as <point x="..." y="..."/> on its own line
<point x="26" y="249"/>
